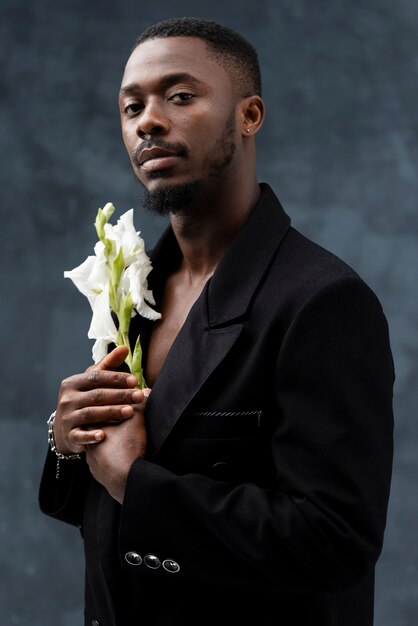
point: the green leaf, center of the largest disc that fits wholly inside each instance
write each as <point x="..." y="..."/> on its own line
<point x="136" y="366"/>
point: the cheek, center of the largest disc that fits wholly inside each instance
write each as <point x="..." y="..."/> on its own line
<point x="129" y="137"/>
<point x="203" y="130"/>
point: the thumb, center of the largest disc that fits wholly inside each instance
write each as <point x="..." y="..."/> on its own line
<point x="113" y="360"/>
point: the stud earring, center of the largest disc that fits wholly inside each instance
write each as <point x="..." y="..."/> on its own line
<point x="247" y="130"/>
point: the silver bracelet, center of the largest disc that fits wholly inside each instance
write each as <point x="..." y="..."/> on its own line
<point x="52" y="445"/>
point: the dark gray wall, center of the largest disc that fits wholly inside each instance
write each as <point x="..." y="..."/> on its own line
<point x="340" y="147"/>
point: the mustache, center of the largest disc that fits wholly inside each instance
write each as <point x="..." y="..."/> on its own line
<point x="176" y="148"/>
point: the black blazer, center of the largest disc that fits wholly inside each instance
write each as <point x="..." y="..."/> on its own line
<point x="263" y="494"/>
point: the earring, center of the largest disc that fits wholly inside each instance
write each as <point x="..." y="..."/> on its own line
<point x="247" y="130"/>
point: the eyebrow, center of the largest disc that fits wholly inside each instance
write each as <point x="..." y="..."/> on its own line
<point x="164" y="82"/>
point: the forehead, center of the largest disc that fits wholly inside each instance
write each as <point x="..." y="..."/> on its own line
<point x="156" y="58"/>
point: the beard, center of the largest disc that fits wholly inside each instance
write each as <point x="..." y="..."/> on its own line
<point x="174" y="199"/>
<point x="185" y="198"/>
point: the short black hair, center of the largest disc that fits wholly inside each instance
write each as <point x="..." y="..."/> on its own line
<point x="229" y="48"/>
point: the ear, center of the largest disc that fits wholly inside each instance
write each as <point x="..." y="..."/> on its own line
<point x="252" y="115"/>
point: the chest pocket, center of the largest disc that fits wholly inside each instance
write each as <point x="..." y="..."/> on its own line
<point x="222" y="424"/>
<point x="223" y="445"/>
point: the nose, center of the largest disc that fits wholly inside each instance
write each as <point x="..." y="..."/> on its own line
<point x="152" y="121"/>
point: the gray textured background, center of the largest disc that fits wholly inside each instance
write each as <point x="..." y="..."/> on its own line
<point x="340" y="147"/>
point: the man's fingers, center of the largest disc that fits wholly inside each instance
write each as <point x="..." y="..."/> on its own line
<point x="82" y="437"/>
<point x="96" y="378"/>
<point x="105" y="372"/>
<point x="103" y="396"/>
<point x="90" y="415"/>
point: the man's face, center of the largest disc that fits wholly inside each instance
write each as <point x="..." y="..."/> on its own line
<point x="178" y="114"/>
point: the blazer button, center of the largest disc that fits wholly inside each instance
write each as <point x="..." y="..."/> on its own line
<point x="152" y="561"/>
<point x="94" y="622"/>
<point x="171" y="566"/>
<point x="133" y="558"/>
<point x="221" y="470"/>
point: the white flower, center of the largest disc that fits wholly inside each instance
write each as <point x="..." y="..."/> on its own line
<point x="115" y="280"/>
<point x="137" y="263"/>
<point x="125" y="236"/>
<point x="92" y="275"/>
<point x="134" y="280"/>
<point x="102" y="327"/>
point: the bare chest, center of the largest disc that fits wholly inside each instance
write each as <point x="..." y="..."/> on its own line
<point x="175" y="308"/>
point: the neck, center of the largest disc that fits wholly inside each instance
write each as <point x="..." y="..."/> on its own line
<point x="204" y="236"/>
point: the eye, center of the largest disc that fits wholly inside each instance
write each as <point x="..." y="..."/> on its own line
<point x="181" y="97"/>
<point x="133" y="108"/>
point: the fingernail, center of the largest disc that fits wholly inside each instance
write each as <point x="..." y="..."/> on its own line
<point x="99" y="435"/>
<point x="126" y="411"/>
<point x="131" y="381"/>
<point x="137" y="396"/>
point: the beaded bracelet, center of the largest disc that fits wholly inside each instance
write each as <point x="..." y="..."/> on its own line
<point x="52" y="445"/>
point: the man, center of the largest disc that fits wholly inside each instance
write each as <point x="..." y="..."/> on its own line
<point x="251" y="484"/>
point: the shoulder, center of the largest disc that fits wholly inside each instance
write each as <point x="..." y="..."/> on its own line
<point x="303" y="267"/>
<point x="298" y="266"/>
<point x="302" y="257"/>
<point x="306" y="280"/>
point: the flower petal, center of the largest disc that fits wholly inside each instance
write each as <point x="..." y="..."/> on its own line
<point x="135" y="280"/>
<point x="102" y="325"/>
<point x="125" y="236"/>
<point x="99" y="350"/>
<point x="90" y="277"/>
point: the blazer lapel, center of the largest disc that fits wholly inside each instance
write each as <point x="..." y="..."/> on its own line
<point x="214" y="322"/>
<point x="195" y="353"/>
<point x="248" y="258"/>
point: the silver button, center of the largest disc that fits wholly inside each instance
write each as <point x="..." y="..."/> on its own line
<point x="133" y="558"/>
<point x="94" y="622"/>
<point x="152" y="561"/>
<point x="220" y="465"/>
<point x="221" y="471"/>
<point x="171" y="566"/>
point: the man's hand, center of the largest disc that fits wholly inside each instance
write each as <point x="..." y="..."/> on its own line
<point x="89" y="401"/>
<point x="103" y="406"/>
<point x="111" y="460"/>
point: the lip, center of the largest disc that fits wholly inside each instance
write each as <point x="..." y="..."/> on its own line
<point x="157" y="158"/>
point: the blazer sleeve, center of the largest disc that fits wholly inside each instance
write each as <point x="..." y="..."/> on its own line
<point x="63" y="497"/>
<point x="320" y="526"/>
